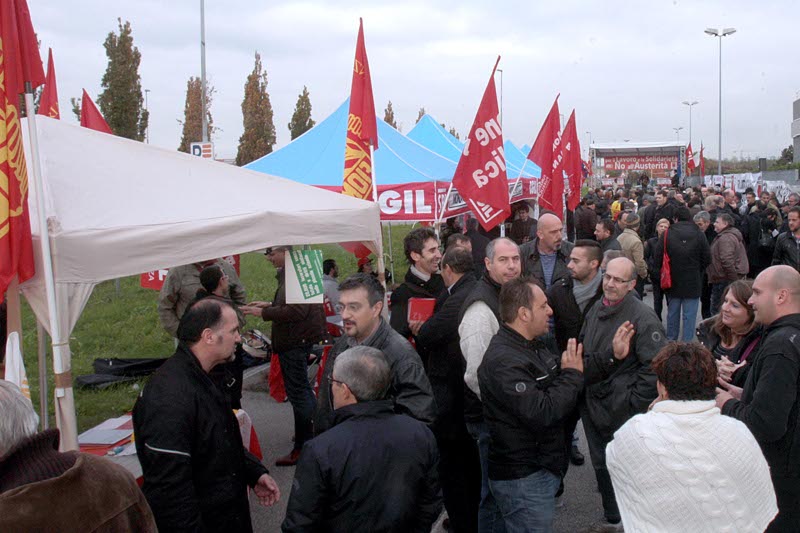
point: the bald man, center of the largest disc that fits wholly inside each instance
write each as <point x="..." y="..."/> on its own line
<point x="768" y="403"/>
<point x="546" y="256"/>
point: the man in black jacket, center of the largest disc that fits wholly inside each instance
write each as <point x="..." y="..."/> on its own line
<point x="374" y="470"/>
<point x="665" y="208"/>
<point x="459" y="464"/>
<point x="422" y="279"/>
<point x="196" y="470"/>
<point x="361" y="304"/>
<point x="787" y="247"/>
<point x="528" y="403"/>
<point x="604" y="233"/>
<point x="768" y="404"/>
<point x="545" y="257"/>
<point x="479" y="244"/>
<point x="295" y="329"/>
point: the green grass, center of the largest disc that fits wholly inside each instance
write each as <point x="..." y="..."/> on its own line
<point x="127" y="325"/>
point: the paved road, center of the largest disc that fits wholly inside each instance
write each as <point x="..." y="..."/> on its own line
<point x="274" y="425"/>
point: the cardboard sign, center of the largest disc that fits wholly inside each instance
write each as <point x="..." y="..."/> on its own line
<point x="304" y="277"/>
<point x="420" y="308"/>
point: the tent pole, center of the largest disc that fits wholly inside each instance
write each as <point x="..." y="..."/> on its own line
<point x="41" y="342"/>
<point x="381" y="264"/>
<point x="65" y="404"/>
<point x="444" y="208"/>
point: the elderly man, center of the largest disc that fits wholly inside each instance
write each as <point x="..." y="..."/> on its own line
<point x="530" y="407"/>
<point x="422" y="279"/>
<point x="374" y="470"/>
<point x="479" y="321"/>
<point x="361" y="306"/>
<point x="619" y="381"/>
<point x="44" y="490"/>
<point x="295" y="330"/>
<point x="728" y="259"/>
<point x="196" y="469"/>
<point x="685" y="435"/>
<point x="768" y="404"/>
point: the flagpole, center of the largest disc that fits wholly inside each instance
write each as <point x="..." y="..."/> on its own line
<point x="41" y="352"/>
<point x="444" y="205"/>
<point x="381" y="264"/>
<point x="67" y="421"/>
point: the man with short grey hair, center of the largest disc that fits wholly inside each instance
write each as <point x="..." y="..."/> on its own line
<point x="68" y="491"/>
<point x="347" y="479"/>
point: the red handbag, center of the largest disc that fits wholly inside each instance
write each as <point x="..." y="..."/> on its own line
<point x="666" y="266"/>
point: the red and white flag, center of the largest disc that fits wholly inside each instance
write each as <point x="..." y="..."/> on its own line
<point x="690" y="164"/>
<point x="48" y="103"/>
<point x="480" y="177"/>
<point x="91" y="117"/>
<point x="572" y="164"/>
<point x="546" y="153"/>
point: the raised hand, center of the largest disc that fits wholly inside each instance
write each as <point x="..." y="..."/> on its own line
<point x="573" y="356"/>
<point x="621" y="343"/>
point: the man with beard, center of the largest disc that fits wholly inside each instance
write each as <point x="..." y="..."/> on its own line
<point x="547" y="255"/>
<point x="361" y="304"/>
<point x="422" y="279"/>
<point x="479" y="321"/>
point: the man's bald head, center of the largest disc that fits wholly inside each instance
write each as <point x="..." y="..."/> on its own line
<point x="619" y="279"/>
<point x="549" y="231"/>
<point x="624" y="262"/>
<point x="776" y="294"/>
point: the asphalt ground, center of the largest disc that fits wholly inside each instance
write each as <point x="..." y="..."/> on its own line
<point x="580" y="505"/>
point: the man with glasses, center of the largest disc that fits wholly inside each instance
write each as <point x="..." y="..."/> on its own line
<point x="295" y="329"/>
<point x="374" y="470"/>
<point x="619" y="381"/>
<point x="361" y="305"/>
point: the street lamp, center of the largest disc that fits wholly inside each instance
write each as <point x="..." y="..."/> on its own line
<point x="713" y="32"/>
<point x="501" y="97"/>
<point x="690" y="104"/>
<point x="678" y="132"/>
<point x="147" y="131"/>
<point x="589" y="145"/>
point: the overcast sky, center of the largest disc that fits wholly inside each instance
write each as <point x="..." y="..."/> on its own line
<point x="625" y="66"/>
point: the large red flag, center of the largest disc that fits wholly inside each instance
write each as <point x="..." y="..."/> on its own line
<point x="480" y="176"/>
<point x="91" y="117"/>
<point x="572" y="163"/>
<point x="16" y="248"/>
<point x="689" y="159"/>
<point x="546" y="153"/>
<point x="48" y="103"/>
<point x="362" y="127"/>
<point x="22" y="61"/>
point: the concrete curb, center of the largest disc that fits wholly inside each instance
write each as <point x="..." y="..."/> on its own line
<point x="255" y="375"/>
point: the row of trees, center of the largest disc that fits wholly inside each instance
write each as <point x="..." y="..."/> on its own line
<point x="123" y="106"/>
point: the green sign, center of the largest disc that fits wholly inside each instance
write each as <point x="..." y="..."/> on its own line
<point x="308" y="271"/>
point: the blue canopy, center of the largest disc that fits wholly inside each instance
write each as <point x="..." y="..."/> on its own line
<point x="516" y="160"/>
<point x="317" y="156"/>
<point x="434" y="137"/>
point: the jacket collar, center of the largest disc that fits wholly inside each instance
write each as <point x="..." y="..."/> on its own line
<point x="518" y="340"/>
<point x="468" y="277"/>
<point x="788" y="320"/>
<point x="606" y="311"/>
<point x="376" y="339"/>
<point x="371" y="409"/>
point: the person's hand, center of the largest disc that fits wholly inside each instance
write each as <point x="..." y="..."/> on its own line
<point x="267" y="490"/>
<point x="573" y="356"/>
<point x="726" y="369"/>
<point x="415" y="326"/>
<point x="250" y="310"/>
<point x="259" y="304"/>
<point x="733" y="390"/>
<point x="622" y="340"/>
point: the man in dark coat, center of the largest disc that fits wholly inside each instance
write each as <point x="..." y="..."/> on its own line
<point x="195" y="467"/>
<point x="530" y="406"/>
<point x="422" y="279"/>
<point x="585" y="220"/>
<point x="769" y="404"/>
<point x="459" y="464"/>
<point x="665" y="208"/>
<point x="689" y="256"/>
<point x="522" y="225"/>
<point x="361" y="304"/>
<point x="479" y="244"/>
<point x="604" y="234"/>
<point x="759" y="228"/>
<point x="787" y="247"/>
<point x="295" y="330"/>
<point x="545" y="257"/>
<point x="728" y="259"/>
<point x="619" y="381"/>
<point x="374" y="470"/>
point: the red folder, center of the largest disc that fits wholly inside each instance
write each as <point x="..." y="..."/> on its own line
<point x="420" y="308"/>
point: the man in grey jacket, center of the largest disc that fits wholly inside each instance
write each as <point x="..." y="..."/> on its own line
<point x="361" y="304"/>
<point x="619" y="382"/>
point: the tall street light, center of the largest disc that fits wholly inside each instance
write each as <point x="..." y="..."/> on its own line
<point x="690" y="104"/>
<point x="147" y="130"/>
<point x="501" y="97"/>
<point x="720" y="33"/>
<point x="678" y="133"/>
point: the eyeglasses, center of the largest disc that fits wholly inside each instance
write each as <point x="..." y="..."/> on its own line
<point x="615" y="279"/>
<point x="332" y="381"/>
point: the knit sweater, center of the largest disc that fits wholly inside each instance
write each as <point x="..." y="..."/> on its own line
<point x="683" y="467"/>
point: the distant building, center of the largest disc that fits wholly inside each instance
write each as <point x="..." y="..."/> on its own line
<point x="796" y="130"/>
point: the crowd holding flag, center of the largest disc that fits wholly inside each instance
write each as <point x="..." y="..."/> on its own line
<point x="545" y="153"/>
<point x="480" y="176"/>
<point x="91" y="117"/>
<point x="572" y="163"/>
<point x="48" y="102"/>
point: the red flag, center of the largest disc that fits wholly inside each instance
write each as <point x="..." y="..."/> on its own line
<point x="48" y="103"/>
<point x="690" y="159"/>
<point x="702" y="160"/>
<point x="547" y="154"/>
<point x="16" y="247"/>
<point x="480" y="176"/>
<point x="22" y="61"/>
<point x="572" y="162"/>
<point x="91" y="117"/>
<point x="362" y="127"/>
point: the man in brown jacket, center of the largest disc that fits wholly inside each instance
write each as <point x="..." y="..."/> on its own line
<point x="728" y="259"/>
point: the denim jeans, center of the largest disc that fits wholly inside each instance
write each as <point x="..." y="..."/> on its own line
<point x="490" y="520"/>
<point x="294" y="367"/>
<point x="529" y="503"/>
<point x="716" y="295"/>
<point x="681" y="310"/>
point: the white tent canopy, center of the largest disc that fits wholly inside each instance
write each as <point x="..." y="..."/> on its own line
<point x="117" y="207"/>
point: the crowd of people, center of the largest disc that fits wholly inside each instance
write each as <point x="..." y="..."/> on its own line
<point x="475" y="408"/>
